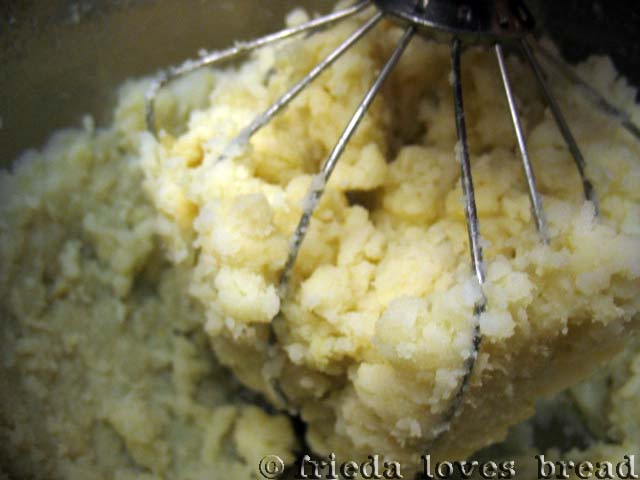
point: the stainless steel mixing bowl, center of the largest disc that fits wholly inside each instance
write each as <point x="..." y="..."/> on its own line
<point x="60" y="59"/>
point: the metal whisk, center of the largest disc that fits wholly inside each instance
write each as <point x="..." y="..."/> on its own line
<point x="491" y="22"/>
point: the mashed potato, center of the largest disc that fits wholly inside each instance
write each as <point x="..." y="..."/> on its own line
<point x="378" y="322"/>
<point x="129" y="255"/>
<point x="105" y="372"/>
<point x="595" y="421"/>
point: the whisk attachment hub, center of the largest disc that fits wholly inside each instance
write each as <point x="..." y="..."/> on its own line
<point x="485" y="20"/>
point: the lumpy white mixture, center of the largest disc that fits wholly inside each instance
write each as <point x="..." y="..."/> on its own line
<point x="129" y="261"/>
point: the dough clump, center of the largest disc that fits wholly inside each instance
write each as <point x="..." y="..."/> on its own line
<point x="105" y="371"/>
<point x="377" y="323"/>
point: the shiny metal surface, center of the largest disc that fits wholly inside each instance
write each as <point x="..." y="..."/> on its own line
<point x="473" y="225"/>
<point x="475" y="21"/>
<point x="563" y="126"/>
<point x="534" y="194"/>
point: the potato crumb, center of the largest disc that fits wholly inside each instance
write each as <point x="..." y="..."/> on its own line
<point x="380" y="303"/>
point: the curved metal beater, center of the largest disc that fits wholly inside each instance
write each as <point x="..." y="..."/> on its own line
<point x="493" y="22"/>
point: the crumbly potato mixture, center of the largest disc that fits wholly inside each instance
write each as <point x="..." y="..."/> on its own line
<point x="105" y="372"/>
<point x="378" y="321"/>
<point x="609" y="403"/>
<point x="129" y="257"/>
<point x="599" y="421"/>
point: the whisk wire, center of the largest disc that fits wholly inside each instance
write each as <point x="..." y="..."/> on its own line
<point x="462" y="151"/>
<point x="473" y="229"/>
<point x="319" y="181"/>
<point x="166" y="76"/>
<point x="563" y="126"/>
<point x="265" y="117"/>
<point x="591" y="94"/>
<point x="534" y="195"/>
